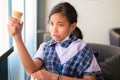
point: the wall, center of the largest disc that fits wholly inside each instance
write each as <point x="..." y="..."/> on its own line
<point x="96" y="17"/>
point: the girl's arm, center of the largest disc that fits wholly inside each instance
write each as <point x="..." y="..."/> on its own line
<point x="15" y="29"/>
<point x="84" y="78"/>
<point x="29" y="64"/>
<point x="45" y="75"/>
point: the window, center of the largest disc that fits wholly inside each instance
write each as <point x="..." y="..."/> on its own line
<point x="29" y="18"/>
<point x="4" y="37"/>
<point x="12" y="63"/>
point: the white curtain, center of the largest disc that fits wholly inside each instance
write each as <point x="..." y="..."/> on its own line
<point x="29" y="9"/>
<point x="4" y="41"/>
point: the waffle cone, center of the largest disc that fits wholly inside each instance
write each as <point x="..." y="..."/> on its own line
<point x="17" y="14"/>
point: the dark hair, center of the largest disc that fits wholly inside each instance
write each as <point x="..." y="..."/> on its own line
<point x="66" y="9"/>
<point x="77" y="32"/>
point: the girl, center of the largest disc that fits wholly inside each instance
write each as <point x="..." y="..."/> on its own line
<point x="64" y="57"/>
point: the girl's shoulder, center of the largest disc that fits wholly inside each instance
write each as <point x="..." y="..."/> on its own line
<point x="45" y="43"/>
<point x="41" y="46"/>
<point x="81" y="44"/>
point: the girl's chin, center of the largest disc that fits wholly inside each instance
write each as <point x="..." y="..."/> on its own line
<point x="57" y="40"/>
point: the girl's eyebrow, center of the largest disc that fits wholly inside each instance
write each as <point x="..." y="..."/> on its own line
<point x="52" y="22"/>
<point x="59" y="22"/>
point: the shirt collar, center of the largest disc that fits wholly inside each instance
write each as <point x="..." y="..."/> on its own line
<point x="65" y="43"/>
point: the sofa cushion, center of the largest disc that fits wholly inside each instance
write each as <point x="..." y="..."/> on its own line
<point x="111" y="68"/>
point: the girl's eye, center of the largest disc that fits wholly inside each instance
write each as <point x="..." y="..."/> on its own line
<point x="59" y="24"/>
<point x="51" y="23"/>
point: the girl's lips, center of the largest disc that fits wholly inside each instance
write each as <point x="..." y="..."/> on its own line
<point x="56" y="36"/>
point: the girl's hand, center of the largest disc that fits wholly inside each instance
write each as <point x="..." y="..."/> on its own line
<point x="15" y="27"/>
<point x="43" y="75"/>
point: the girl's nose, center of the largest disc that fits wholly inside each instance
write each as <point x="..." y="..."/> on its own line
<point x="55" y="29"/>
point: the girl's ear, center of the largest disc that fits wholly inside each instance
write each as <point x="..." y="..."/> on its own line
<point x="73" y="26"/>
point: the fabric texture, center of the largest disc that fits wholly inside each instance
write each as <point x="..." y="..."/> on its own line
<point x="111" y="67"/>
<point x="75" y="66"/>
<point x="108" y="59"/>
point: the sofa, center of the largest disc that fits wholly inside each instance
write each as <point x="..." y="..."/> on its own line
<point x="108" y="59"/>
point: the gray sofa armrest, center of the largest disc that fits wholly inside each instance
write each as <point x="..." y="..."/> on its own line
<point x="108" y="59"/>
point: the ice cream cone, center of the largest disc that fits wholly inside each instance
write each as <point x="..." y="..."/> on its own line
<point x="17" y="14"/>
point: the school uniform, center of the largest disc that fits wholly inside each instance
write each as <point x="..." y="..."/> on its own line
<point x="71" y="57"/>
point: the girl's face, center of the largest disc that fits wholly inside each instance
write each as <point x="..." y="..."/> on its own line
<point x="60" y="27"/>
